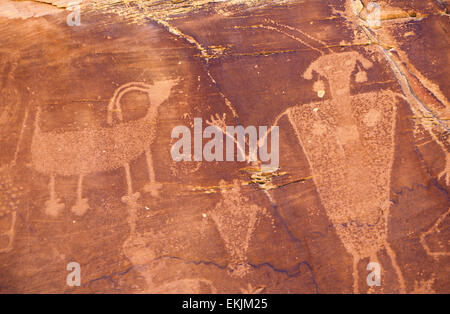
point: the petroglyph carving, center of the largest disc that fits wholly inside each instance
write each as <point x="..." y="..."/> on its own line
<point x="424" y="286"/>
<point x="149" y="253"/>
<point x="219" y="121"/>
<point x="9" y="95"/>
<point x="9" y="204"/>
<point x="435" y="121"/>
<point x="446" y="171"/>
<point x="252" y="290"/>
<point x="349" y="144"/>
<point x="236" y="219"/>
<point x="9" y="116"/>
<point x="435" y="229"/>
<point x="79" y="153"/>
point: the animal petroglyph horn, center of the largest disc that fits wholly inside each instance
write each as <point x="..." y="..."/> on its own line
<point x="79" y="153"/>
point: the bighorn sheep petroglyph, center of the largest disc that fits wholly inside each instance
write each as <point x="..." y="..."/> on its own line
<point x="79" y="153"/>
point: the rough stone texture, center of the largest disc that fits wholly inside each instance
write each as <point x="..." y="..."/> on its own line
<point x="85" y="130"/>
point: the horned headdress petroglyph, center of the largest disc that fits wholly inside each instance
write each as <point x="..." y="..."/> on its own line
<point x="349" y="143"/>
<point x="79" y="153"/>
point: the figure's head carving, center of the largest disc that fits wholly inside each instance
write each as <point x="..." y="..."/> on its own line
<point x="330" y="65"/>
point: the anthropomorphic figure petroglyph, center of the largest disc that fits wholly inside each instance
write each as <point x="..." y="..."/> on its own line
<point x="236" y="220"/>
<point x="94" y="150"/>
<point x="331" y="134"/>
<point x="349" y="144"/>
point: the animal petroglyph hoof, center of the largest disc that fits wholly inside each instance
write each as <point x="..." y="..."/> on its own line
<point x="153" y="188"/>
<point x="53" y="207"/>
<point x="131" y="200"/>
<point x="80" y="207"/>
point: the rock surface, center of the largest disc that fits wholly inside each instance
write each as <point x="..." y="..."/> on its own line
<point x="87" y="112"/>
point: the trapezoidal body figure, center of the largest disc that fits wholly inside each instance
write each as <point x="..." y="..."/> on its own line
<point x="349" y="143"/>
<point x="79" y="153"/>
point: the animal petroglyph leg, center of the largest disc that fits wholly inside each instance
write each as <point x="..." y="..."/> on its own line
<point x="81" y="205"/>
<point x="131" y="199"/>
<point x="152" y="187"/>
<point x="53" y="206"/>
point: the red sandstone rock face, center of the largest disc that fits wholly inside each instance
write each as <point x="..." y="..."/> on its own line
<point x="87" y="175"/>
